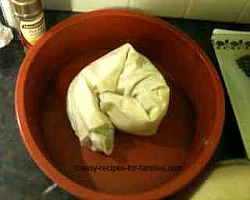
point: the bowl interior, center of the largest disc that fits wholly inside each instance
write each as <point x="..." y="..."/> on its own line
<point x="188" y="134"/>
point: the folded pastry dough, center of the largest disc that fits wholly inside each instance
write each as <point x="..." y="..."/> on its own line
<point x="121" y="89"/>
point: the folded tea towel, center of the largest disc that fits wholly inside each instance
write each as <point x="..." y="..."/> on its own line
<point x="122" y="89"/>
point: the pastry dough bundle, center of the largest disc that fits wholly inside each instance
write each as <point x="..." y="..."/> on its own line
<point x="122" y="89"/>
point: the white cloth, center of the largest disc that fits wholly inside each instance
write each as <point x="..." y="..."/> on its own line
<point x="121" y="89"/>
<point x="6" y="35"/>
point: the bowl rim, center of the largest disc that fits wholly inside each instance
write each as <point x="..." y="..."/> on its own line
<point x="78" y="190"/>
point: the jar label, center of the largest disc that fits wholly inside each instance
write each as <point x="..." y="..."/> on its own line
<point x="33" y="30"/>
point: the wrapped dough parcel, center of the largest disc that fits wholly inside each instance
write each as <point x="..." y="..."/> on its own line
<point x="122" y="89"/>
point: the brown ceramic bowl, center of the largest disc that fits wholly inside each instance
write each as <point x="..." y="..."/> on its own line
<point x="187" y="136"/>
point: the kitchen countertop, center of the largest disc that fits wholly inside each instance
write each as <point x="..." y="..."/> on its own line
<point x="20" y="178"/>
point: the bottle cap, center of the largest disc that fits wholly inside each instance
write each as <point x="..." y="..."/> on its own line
<point x="26" y="8"/>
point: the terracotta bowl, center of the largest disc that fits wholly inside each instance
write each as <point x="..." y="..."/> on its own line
<point x="187" y="136"/>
